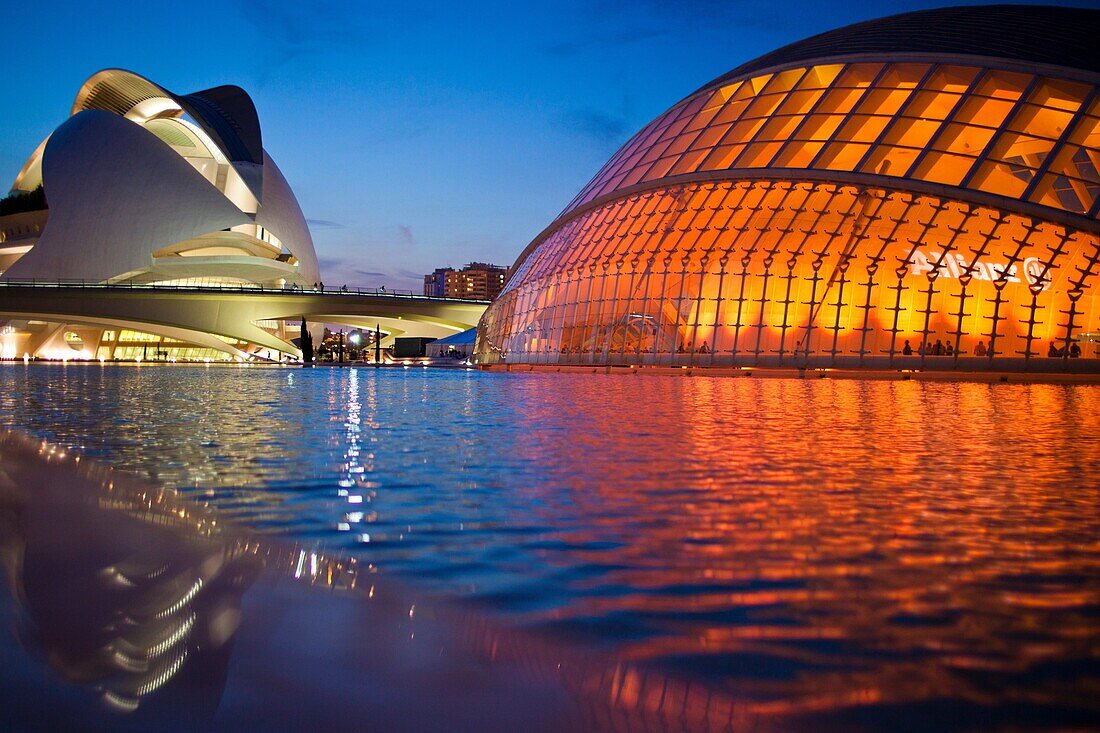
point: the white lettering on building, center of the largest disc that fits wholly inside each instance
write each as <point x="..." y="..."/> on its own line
<point x="955" y="265"/>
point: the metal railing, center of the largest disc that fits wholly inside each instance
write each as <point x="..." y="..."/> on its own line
<point x="237" y="288"/>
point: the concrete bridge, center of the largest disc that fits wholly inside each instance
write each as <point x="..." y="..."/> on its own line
<point x="199" y="315"/>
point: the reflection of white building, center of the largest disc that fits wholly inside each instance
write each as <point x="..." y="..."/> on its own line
<point x="149" y="187"/>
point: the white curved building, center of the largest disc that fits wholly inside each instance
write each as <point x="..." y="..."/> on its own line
<point x="146" y="186"/>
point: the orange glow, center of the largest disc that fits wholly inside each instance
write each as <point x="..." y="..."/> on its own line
<point x="727" y="273"/>
<point x="780" y="269"/>
<point x="968" y="127"/>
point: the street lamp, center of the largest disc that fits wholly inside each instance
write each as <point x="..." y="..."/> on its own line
<point x="353" y="337"/>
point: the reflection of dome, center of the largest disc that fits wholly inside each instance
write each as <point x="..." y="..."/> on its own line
<point x="145" y="185"/>
<point x="925" y="178"/>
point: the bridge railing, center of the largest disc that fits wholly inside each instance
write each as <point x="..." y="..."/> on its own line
<point x="70" y="284"/>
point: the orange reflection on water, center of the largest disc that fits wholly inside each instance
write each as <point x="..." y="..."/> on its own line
<point x="821" y="545"/>
<point x="756" y="551"/>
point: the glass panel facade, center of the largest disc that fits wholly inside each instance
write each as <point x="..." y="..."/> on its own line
<point x="783" y="272"/>
<point x="990" y="130"/>
<point x="780" y="267"/>
<point x="671" y="255"/>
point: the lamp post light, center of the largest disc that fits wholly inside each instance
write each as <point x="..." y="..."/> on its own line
<point x="341" y="346"/>
<point x="353" y="337"/>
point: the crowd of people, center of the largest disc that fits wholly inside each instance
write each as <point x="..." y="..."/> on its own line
<point x="1074" y="351"/>
<point x="939" y="348"/>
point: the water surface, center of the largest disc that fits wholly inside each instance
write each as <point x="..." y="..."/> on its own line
<point x="831" y="553"/>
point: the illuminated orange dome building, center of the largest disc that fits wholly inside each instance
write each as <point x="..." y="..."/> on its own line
<point x="917" y="191"/>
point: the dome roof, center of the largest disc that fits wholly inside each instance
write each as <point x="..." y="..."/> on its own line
<point x="128" y="174"/>
<point x="1035" y="34"/>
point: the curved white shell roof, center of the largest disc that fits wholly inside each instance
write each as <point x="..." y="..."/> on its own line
<point x="280" y="214"/>
<point x="117" y="192"/>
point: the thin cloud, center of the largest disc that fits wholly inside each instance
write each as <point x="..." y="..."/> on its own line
<point x="291" y="31"/>
<point x="330" y="262"/>
<point x="323" y="224"/>
<point x="603" y="127"/>
<point x="600" y="40"/>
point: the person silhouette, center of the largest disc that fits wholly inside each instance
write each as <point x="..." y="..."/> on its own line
<point x="907" y="350"/>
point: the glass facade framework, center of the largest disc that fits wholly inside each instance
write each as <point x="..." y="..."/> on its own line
<point x="741" y="236"/>
<point x="999" y="132"/>
<point x="761" y="272"/>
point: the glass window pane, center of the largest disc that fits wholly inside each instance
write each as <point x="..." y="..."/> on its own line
<point x="764" y="105"/>
<point x="1000" y="179"/>
<point x="1086" y="132"/>
<point x="944" y="168"/>
<point x="800" y="102"/>
<point x="779" y="128"/>
<point x="1043" y="121"/>
<point x="820" y="127"/>
<point x="912" y="133"/>
<point x="1016" y="148"/>
<point x="932" y="105"/>
<point x="984" y="111"/>
<point x="820" y="76"/>
<point x="840" y="101"/>
<point x="702" y="119"/>
<point x="758" y="155"/>
<point x="842" y="156"/>
<point x="903" y="76"/>
<point x="744" y="130"/>
<point x="784" y="81"/>
<point x="1003" y="85"/>
<point x="966" y="139"/>
<point x="883" y="101"/>
<point x="951" y="79"/>
<point x="689" y="162"/>
<point x="1063" y="193"/>
<point x="1059" y="93"/>
<point x="710" y="136"/>
<point x="732" y="111"/>
<point x="680" y="144"/>
<point x="863" y="128"/>
<point x="859" y="75"/>
<point x="797" y="155"/>
<point x="721" y="157"/>
<point x="887" y="160"/>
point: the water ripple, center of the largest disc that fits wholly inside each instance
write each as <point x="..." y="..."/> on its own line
<point x="819" y="545"/>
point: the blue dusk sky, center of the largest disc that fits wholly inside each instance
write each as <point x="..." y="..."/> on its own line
<point x="416" y="135"/>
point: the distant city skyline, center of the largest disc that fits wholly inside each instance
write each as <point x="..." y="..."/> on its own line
<point x="415" y="136"/>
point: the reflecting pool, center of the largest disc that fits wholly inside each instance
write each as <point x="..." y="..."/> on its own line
<point x="816" y="553"/>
